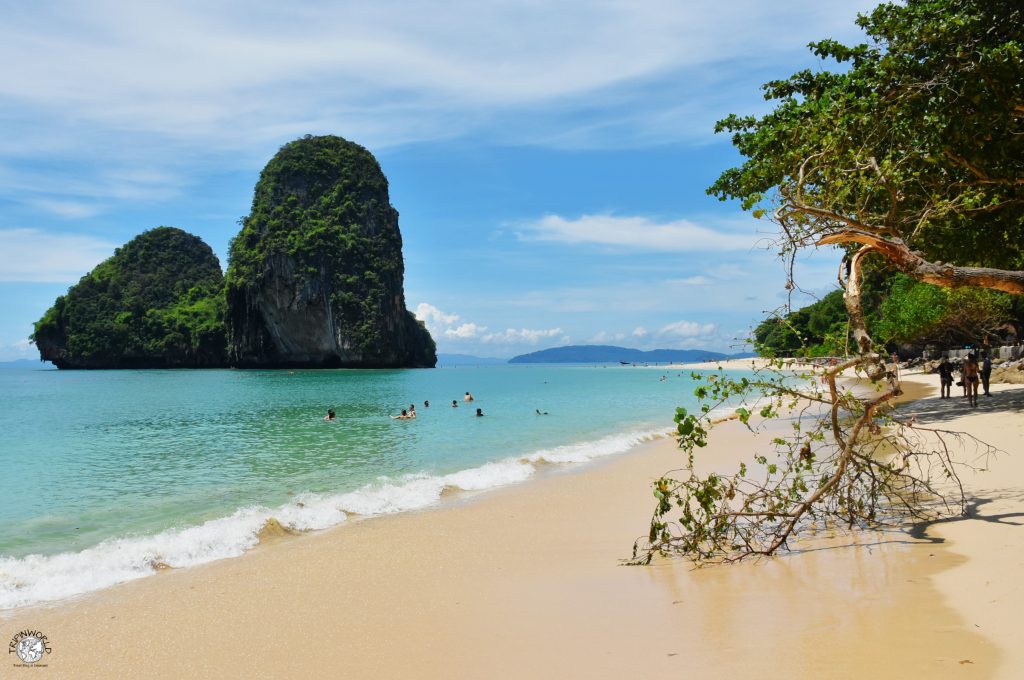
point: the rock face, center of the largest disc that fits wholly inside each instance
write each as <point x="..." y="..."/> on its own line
<point x="156" y="303"/>
<point x="316" y="275"/>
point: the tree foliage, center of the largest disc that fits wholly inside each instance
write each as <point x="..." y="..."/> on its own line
<point x="902" y="312"/>
<point x="916" y="148"/>
<point x="920" y="313"/>
<point x="913" y="152"/>
<point x="819" y="329"/>
<point x="157" y="302"/>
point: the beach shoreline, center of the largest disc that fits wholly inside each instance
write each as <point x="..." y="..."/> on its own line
<point x="526" y="581"/>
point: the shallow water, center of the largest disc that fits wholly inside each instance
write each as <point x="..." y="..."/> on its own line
<point x="108" y="473"/>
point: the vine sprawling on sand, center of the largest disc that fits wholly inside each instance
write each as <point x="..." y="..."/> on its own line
<point x="846" y="460"/>
<point x="914" y="154"/>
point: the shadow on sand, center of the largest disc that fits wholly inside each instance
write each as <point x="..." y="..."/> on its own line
<point x="919" y="530"/>
<point x="934" y="410"/>
<point x="937" y="410"/>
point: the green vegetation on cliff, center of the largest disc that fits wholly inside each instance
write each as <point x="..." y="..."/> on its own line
<point x="157" y="302"/>
<point x="316" y="274"/>
<point x="315" y="279"/>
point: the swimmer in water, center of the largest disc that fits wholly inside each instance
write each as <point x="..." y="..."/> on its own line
<point x="468" y="397"/>
<point x="405" y="416"/>
<point x="455" y="404"/>
<point x="426" y="403"/>
<point x="479" y="412"/>
<point x="330" y="415"/>
<point x="542" y="413"/>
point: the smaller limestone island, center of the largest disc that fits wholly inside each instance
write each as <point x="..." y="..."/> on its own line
<point x="315" y="279"/>
<point x="158" y="302"/>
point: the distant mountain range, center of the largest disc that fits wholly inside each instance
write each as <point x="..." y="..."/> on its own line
<point x="467" y="360"/>
<point x="26" y="363"/>
<point x="609" y="354"/>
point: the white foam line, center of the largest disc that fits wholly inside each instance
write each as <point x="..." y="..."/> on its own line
<point x="46" y="578"/>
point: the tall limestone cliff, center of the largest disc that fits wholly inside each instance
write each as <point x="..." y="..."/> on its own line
<point x="316" y="275"/>
<point x="156" y="303"/>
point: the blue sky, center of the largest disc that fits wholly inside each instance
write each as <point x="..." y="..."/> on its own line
<point x="548" y="159"/>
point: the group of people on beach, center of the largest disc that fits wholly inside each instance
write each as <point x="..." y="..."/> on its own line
<point x="971" y="373"/>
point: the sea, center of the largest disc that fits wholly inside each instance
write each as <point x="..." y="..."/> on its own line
<point x="108" y="476"/>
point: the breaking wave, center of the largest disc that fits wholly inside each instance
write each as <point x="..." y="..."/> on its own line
<point x="45" y="578"/>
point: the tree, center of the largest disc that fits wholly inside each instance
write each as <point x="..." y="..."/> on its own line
<point x="819" y="329"/>
<point x="920" y="313"/>
<point x="912" y="151"/>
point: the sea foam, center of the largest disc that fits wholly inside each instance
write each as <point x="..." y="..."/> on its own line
<point x="45" y="578"/>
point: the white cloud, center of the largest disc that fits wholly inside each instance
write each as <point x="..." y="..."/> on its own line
<point x="465" y="331"/>
<point x="226" y="75"/>
<point x="529" y="336"/>
<point x="691" y="281"/>
<point x="123" y="102"/>
<point x="637" y="233"/>
<point x="68" y="209"/>
<point x="602" y="337"/>
<point x="687" y="330"/>
<point x="31" y="255"/>
<point x="20" y="349"/>
<point x="434" y="318"/>
<point x="639" y="332"/>
<point x="468" y="336"/>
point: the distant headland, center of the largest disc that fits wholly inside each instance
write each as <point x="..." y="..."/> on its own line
<point x="612" y="354"/>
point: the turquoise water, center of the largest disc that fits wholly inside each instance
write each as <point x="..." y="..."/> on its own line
<point x="107" y="473"/>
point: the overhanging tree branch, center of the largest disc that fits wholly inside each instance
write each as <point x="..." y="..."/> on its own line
<point x="937" y="273"/>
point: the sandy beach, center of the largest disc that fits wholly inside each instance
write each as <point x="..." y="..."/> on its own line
<point x="526" y="582"/>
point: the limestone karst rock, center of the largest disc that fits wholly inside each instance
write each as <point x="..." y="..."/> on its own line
<point x="156" y="303"/>
<point x="316" y="275"/>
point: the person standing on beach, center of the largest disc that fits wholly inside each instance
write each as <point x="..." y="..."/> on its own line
<point x="970" y="373"/>
<point x="945" y="371"/>
<point x="986" y="373"/>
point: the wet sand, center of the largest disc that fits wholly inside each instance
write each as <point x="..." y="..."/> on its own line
<point x="526" y="582"/>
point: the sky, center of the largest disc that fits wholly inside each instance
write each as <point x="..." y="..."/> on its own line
<point x="549" y="160"/>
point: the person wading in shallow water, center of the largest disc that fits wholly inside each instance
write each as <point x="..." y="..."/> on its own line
<point x="330" y="415"/>
<point x="970" y="373"/>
